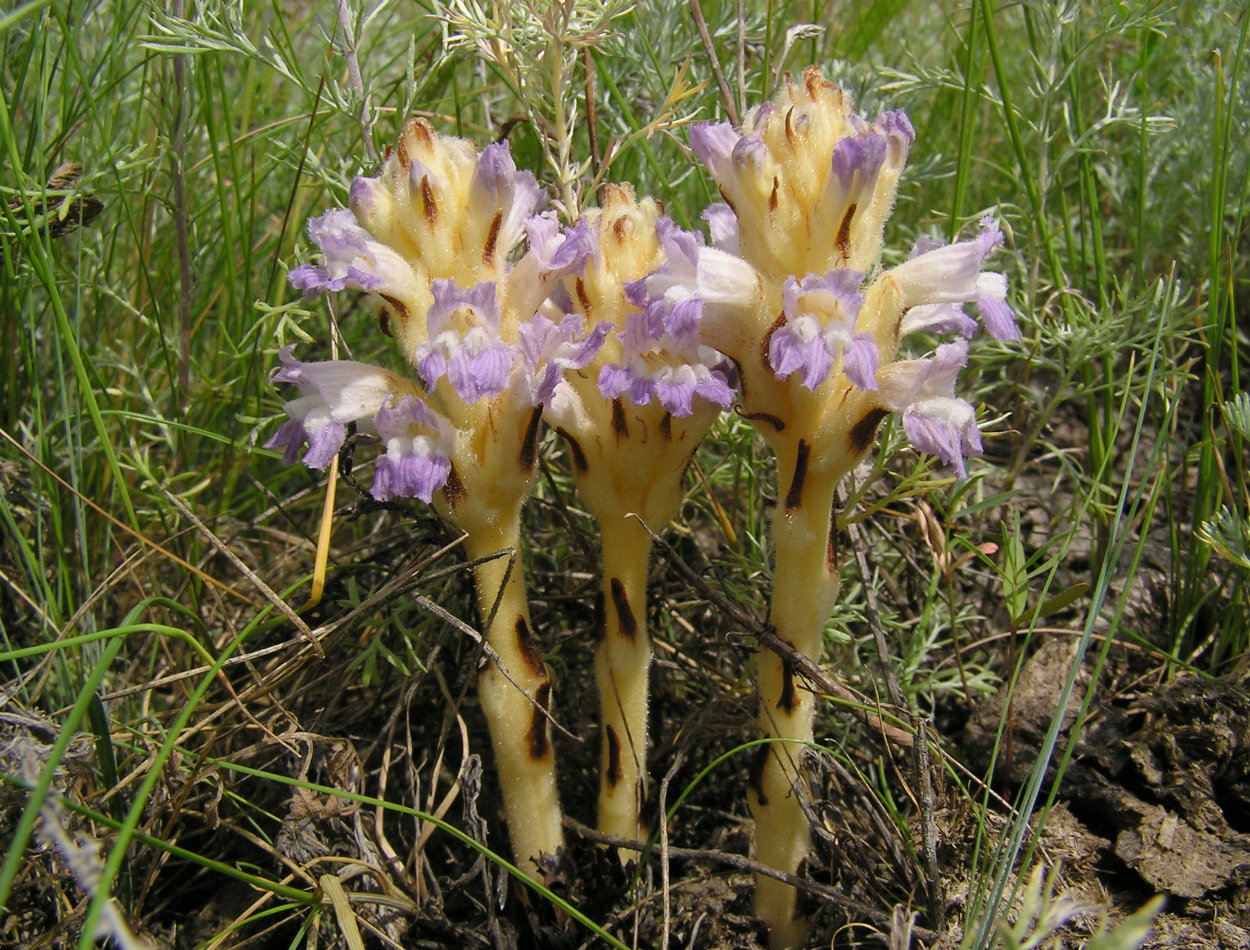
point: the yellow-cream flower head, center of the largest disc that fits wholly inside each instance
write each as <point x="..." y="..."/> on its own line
<point x="654" y="358"/>
<point x="628" y="249"/>
<point x="809" y="181"/>
<point x="447" y="212"/>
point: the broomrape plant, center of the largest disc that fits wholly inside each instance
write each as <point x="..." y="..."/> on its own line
<point x="629" y="336"/>
<point x="432" y="240"/>
<point x="807" y="185"/>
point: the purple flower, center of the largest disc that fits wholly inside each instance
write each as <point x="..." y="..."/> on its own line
<point x="856" y="162"/>
<point x="664" y="360"/>
<point x="950" y="275"/>
<point x="332" y="394"/>
<point x="713" y="144"/>
<point x="692" y="270"/>
<point x="498" y="188"/>
<point x="934" y="419"/>
<point x="352" y="258"/>
<point x="722" y="225"/>
<point x="548" y="349"/>
<point x="464" y="343"/>
<point x="938" y="318"/>
<point x="899" y="133"/>
<point x="820" y="325"/>
<point x="559" y="252"/>
<point x="419" y="443"/>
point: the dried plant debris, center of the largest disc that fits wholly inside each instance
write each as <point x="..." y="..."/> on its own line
<point x="60" y="208"/>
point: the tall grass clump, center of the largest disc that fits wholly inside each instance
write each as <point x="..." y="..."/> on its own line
<point x="238" y="698"/>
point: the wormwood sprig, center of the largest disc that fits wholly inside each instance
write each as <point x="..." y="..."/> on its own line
<point x="537" y="50"/>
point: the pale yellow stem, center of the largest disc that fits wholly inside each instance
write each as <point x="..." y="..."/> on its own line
<point x="519" y="729"/>
<point x="804" y="591"/>
<point x="622" y="661"/>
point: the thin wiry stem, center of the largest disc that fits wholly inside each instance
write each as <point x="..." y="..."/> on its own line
<point x="354" y="77"/>
<point x="177" y="153"/>
<point x="726" y="95"/>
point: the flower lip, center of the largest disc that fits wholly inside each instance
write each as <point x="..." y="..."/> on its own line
<point x="559" y="252"/>
<point x="417" y="461"/>
<point x="464" y="342"/>
<point x="858" y="155"/>
<point x="549" y="349"/>
<point x="333" y="393"/>
<point x="950" y="274"/>
<point x="663" y="360"/>
<point x="821" y="310"/>
<point x="351" y="258"/>
<point x="713" y="144"/>
<point x="898" y="130"/>
<point x="935" y="420"/>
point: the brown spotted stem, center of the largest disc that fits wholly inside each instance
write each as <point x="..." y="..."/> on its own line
<point x="519" y="730"/>
<point x="622" y="661"/>
<point x="492" y="474"/>
<point x="805" y="588"/>
<point x="630" y="479"/>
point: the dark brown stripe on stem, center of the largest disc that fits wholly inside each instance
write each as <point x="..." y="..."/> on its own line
<point x="772" y="196"/>
<point x="794" y="497"/>
<point x="624" y="613"/>
<point x="492" y="238"/>
<point x="429" y="205"/>
<point x="844" y="233"/>
<point x="529" y="649"/>
<point x="579" y="457"/>
<point x="666" y="427"/>
<point x="767" y="417"/>
<point x="619" y="423"/>
<point x="453" y="490"/>
<point x="767" y="341"/>
<point x="789" y="700"/>
<point x="756" y="777"/>
<point x="583" y="298"/>
<point x="831" y="545"/>
<point x="400" y="311"/>
<point x="613" y="773"/>
<point x="529" y="445"/>
<point x="863" y="432"/>
<point x="539" y="744"/>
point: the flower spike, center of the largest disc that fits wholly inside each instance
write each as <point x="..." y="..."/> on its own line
<point x="434" y="239"/>
<point x="807" y="185"/>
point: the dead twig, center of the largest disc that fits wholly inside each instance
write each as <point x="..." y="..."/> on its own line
<point x="831" y="894"/>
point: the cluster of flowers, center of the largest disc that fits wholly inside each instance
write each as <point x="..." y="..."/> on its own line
<point x="629" y="336"/>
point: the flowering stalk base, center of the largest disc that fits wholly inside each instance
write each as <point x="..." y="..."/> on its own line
<point x="622" y="660"/>
<point x="519" y="730"/>
<point x="805" y="589"/>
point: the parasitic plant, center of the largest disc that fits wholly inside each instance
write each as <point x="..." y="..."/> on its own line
<point x="791" y="291"/>
<point x="433" y="239"/>
<point x="632" y="420"/>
